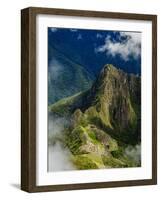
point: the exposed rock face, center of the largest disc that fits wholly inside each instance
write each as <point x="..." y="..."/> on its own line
<point x="113" y="95"/>
<point x="104" y="119"/>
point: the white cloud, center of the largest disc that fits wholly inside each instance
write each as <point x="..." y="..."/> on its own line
<point x="98" y="35"/>
<point x="134" y="152"/>
<point x="73" y="30"/>
<point x="59" y="157"/>
<point x="79" y="37"/>
<point x="53" y="29"/>
<point x="127" y="44"/>
<point x="55" y="69"/>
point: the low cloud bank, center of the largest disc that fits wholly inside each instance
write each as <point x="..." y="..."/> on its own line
<point x="59" y="157"/>
<point x="134" y="153"/>
<point x="56" y="127"/>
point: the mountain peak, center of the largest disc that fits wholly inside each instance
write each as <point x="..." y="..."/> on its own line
<point x="110" y="76"/>
<point x="110" y="69"/>
<point x="114" y="94"/>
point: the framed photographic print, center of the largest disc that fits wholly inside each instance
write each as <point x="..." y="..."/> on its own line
<point x="89" y="99"/>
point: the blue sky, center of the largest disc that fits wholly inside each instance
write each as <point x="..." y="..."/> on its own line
<point x="95" y="48"/>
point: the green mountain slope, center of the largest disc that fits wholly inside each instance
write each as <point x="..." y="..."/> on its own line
<point x="104" y="121"/>
<point x="65" y="77"/>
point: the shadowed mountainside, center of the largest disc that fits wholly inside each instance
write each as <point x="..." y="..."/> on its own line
<point x="65" y="77"/>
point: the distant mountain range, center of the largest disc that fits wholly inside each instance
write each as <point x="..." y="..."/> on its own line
<point x="104" y="120"/>
<point x="65" y="77"/>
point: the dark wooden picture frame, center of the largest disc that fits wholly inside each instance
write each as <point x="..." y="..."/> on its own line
<point x="28" y="98"/>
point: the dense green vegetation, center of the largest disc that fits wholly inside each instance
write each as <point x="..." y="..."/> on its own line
<point x="104" y="121"/>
